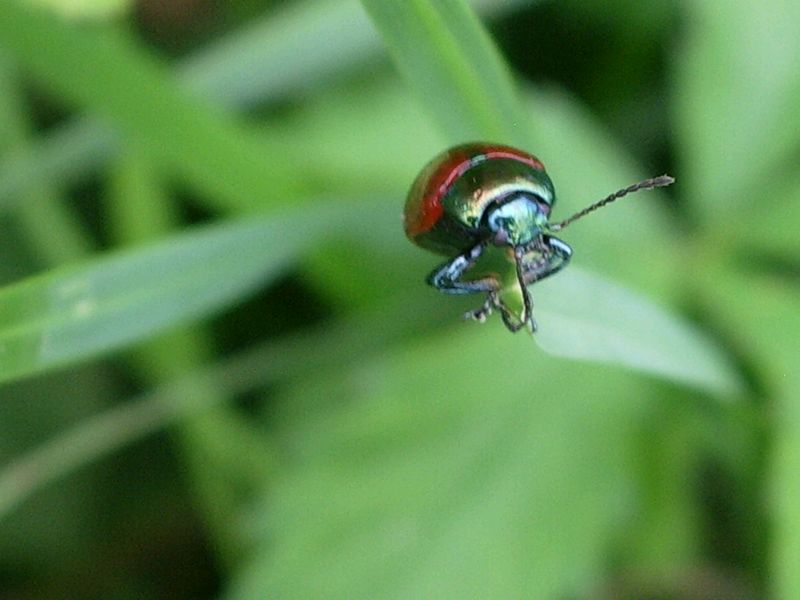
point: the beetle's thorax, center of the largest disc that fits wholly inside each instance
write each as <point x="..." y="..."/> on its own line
<point x="517" y="220"/>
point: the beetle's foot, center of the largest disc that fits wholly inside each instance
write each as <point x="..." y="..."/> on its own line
<point x="512" y="322"/>
<point x="515" y="322"/>
<point x="481" y="314"/>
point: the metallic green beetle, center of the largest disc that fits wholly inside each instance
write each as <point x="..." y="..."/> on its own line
<point x="479" y="194"/>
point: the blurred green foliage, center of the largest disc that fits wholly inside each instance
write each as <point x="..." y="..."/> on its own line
<point x="222" y="374"/>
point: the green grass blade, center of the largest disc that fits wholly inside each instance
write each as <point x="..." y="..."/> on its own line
<point x="106" y="72"/>
<point x="272" y="57"/>
<point x="447" y="56"/>
<point x="69" y="315"/>
<point x="266" y="61"/>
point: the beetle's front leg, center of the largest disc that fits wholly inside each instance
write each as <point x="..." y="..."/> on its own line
<point x="447" y="278"/>
<point x="527" y="300"/>
<point x="555" y="255"/>
<point x="552" y="256"/>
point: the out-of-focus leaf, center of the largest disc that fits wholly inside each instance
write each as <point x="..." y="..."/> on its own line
<point x="70" y="152"/>
<point x="273" y="57"/>
<point x="107" y="72"/>
<point x="448" y="471"/>
<point x="30" y="413"/>
<point x="785" y="488"/>
<point x="266" y="61"/>
<point x="586" y="317"/>
<point x="41" y="211"/>
<point x="761" y="316"/>
<point x="69" y="315"/>
<point x="447" y="56"/>
<point x="737" y="100"/>
<point x="384" y="157"/>
<point x="773" y="231"/>
<point x="327" y="346"/>
<point x="664" y="536"/>
<point x="85" y="10"/>
<point x="212" y="442"/>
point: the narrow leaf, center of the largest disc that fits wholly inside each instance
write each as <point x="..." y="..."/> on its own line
<point x="448" y="57"/>
<point x="69" y="315"/>
<point x="268" y="60"/>
<point x="108" y="73"/>
<point x="586" y="317"/>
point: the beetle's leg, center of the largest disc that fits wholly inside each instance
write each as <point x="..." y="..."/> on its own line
<point x="480" y="314"/>
<point x="512" y="322"/>
<point x="447" y="278"/>
<point x="510" y="319"/>
<point x="555" y="256"/>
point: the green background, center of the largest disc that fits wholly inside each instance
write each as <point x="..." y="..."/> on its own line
<point x="223" y="376"/>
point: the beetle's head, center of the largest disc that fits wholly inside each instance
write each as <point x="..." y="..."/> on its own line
<point x="516" y="220"/>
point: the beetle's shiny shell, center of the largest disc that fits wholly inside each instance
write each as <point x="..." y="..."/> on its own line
<point x="448" y="198"/>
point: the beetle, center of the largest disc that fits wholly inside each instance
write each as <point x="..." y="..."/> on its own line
<point x="479" y="194"/>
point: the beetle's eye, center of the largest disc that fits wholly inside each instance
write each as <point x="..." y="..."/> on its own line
<point x="544" y="207"/>
<point x="497" y="224"/>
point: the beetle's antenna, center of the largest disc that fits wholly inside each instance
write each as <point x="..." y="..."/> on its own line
<point x="647" y="184"/>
